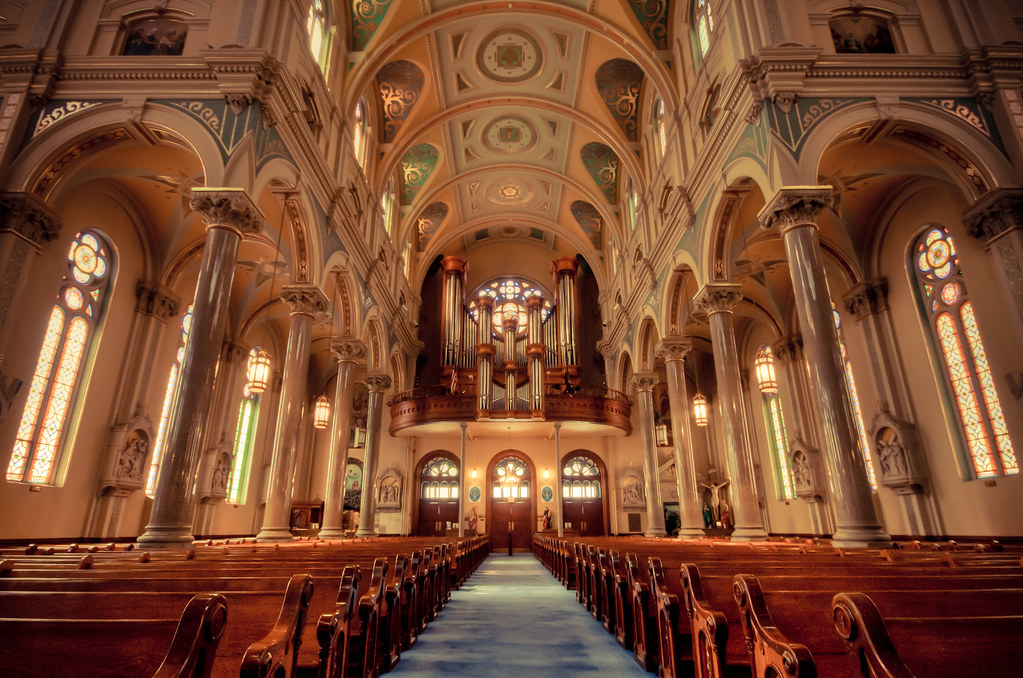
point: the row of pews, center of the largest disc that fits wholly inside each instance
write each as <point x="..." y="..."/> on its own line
<point x="229" y="608"/>
<point x="779" y="609"/>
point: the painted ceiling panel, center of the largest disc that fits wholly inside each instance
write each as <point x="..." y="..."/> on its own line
<point x="400" y="83"/>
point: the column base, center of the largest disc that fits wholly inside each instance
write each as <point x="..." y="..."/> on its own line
<point x="655" y="533"/>
<point x="332" y="533"/>
<point x="752" y="533"/>
<point x="365" y="533"/>
<point x="691" y="533"/>
<point x="274" y="534"/>
<point x="166" y="537"/>
<point x="861" y="537"/>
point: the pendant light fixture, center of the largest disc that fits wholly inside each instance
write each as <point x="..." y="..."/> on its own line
<point x="259" y="365"/>
<point x="763" y="365"/>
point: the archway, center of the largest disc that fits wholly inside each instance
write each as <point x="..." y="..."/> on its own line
<point x="512" y="498"/>
<point x="583" y="493"/>
<point x="437" y="475"/>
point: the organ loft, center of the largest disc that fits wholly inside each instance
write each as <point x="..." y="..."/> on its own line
<point x="381" y="293"/>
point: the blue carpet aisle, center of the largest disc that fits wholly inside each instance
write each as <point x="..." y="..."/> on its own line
<point x="512" y="618"/>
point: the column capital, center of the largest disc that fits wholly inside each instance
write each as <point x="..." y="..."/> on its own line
<point x="788" y="349"/>
<point x="234" y="352"/>
<point x="995" y="213"/>
<point x="305" y="298"/>
<point x="377" y="383"/>
<point x="796" y="205"/>
<point x="565" y="266"/>
<point x="155" y="300"/>
<point x="453" y="264"/>
<point x="673" y="349"/>
<point x="484" y="301"/>
<point x="717" y="298"/>
<point x="27" y="216"/>
<point x="867" y="298"/>
<point x="534" y="303"/>
<point x="227" y="208"/>
<point x="644" y="381"/>
<point x="348" y="350"/>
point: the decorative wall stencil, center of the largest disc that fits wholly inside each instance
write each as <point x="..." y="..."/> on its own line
<point x="967" y="110"/>
<point x="602" y="164"/>
<point x="367" y="15"/>
<point x="163" y="37"/>
<point x="509" y="134"/>
<point x="653" y="16"/>
<point x="509" y="55"/>
<point x="590" y="221"/>
<point x="55" y="111"/>
<point x="229" y="129"/>
<point x="400" y="83"/>
<point x="428" y="222"/>
<point x="792" y="127"/>
<point x="752" y="144"/>
<point x="861" y="34"/>
<point x="619" y="82"/>
<point x="416" y="166"/>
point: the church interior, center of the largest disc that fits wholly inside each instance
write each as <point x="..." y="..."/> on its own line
<point x="440" y="279"/>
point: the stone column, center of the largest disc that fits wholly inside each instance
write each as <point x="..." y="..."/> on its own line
<point x="673" y="350"/>
<point x="461" y="480"/>
<point x="229" y="214"/>
<point x="306" y="302"/>
<point x="348" y="353"/>
<point x="793" y="211"/>
<point x="559" y="491"/>
<point x="377" y="384"/>
<point x="485" y="352"/>
<point x="564" y="273"/>
<point x="26" y="224"/>
<point x="535" y="351"/>
<point x="717" y="300"/>
<point x="454" y="277"/>
<point x="644" y="383"/>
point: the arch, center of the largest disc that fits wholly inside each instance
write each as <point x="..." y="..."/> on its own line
<point x="602" y="499"/>
<point x="501" y="513"/>
<point x="434" y="484"/>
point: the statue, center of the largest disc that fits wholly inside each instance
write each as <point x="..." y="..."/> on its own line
<point x="715" y="498"/>
<point x="725" y="517"/>
<point x="632" y="494"/>
<point x="801" y="471"/>
<point x="219" y="481"/>
<point x="708" y="516"/>
<point x="129" y="465"/>
<point x="893" y="458"/>
<point x="472" y="519"/>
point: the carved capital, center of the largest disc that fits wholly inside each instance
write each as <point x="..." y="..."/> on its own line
<point x="26" y="216"/>
<point x="673" y="348"/>
<point x="377" y="383"/>
<point x="565" y="266"/>
<point x="644" y="381"/>
<point x="305" y="298"/>
<point x="348" y="350"/>
<point x="227" y="208"/>
<point x="788" y="349"/>
<point x="796" y="205"/>
<point x="155" y="301"/>
<point x="867" y="298"/>
<point x="237" y="101"/>
<point x="717" y="298"/>
<point x="234" y="352"/>
<point x="999" y="211"/>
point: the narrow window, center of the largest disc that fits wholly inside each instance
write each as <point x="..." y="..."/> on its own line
<point x="359" y="134"/>
<point x="316" y="27"/>
<point x="243" y="440"/>
<point x="703" y="20"/>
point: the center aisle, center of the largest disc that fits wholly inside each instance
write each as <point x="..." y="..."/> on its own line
<point x="512" y="618"/>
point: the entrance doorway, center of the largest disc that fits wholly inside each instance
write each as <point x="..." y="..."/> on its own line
<point x="512" y="504"/>
<point x="582" y="494"/>
<point x="438" y="496"/>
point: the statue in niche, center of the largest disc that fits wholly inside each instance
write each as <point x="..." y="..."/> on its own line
<point x="801" y="471"/>
<point x="218" y="483"/>
<point x="892" y="457"/>
<point x="632" y="494"/>
<point x="133" y="454"/>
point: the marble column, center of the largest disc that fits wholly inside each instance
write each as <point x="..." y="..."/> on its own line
<point x="717" y="300"/>
<point x="485" y="352"/>
<point x="377" y="383"/>
<point x="26" y="224"/>
<point x="306" y="302"/>
<point x="673" y="351"/>
<point x="559" y="491"/>
<point x="229" y="214"/>
<point x="793" y="211"/>
<point x="461" y="479"/>
<point x="348" y="352"/>
<point x="644" y="383"/>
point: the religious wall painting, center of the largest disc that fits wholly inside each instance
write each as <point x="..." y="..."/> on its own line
<point x="157" y="36"/>
<point x="400" y="83"/>
<point x="353" y="484"/>
<point x="619" y="82"/>
<point x="367" y="15"/>
<point x="389" y="491"/>
<point x="861" y="34"/>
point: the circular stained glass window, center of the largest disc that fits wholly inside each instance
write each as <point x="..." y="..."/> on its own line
<point x="938" y="253"/>
<point x="85" y="258"/>
<point x="73" y="298"/>
<point x="950" y="293"/>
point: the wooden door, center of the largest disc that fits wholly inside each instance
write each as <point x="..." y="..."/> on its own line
<point x="511" y="517"/>
<point x="584" y="517"/>
<point x="435" y="515"/>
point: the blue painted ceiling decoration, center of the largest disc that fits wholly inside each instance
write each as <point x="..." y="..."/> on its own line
<point x="400" y="83"/>
<point x="653" y="16"/>
<point x="590" y="221"/>
<point x="619" y="82"/>
<point x="416" y="166"/>
<point x="367" y="15"/>
<point x="602" y="164"/>
<point x="428" y="222"/>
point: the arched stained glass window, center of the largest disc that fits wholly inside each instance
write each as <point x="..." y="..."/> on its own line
<point x="659" y="125"/>
<point x="359" y="135"/>
<point x="703" y="22"/>
<point x="316" y="27"/>
<point x="509" y="295"/>
<point x="168" y="401"/>
<point x="58" y="374"/>
<point x="633" y="199"/>
<point x="854" y="398"/>
<point x="245" y="435"/>
<point x="580" y="478"/>
<point x="953" y="324"/>
<point x="440" y="479"/>
<point x="511" y="479"/>
<point x="387" y="205"/>
<point x="776" y="437"/>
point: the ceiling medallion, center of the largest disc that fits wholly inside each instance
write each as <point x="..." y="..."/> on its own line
<point x="509" y="55"/>
<point x="509" y="134"/>
<point x="509" y="191"/>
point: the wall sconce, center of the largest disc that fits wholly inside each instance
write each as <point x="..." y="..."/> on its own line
<point x="473" y="474"/>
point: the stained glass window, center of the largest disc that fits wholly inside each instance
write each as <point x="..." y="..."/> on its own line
<point x="316" y="27"/>
<point x="243" y="440"/>
<point x="509" y="295"/>
<point x="703" y="20"/>
<point x="580" y="478"/>
<point x="359" y="134"/>
<point x="58" y="372"/>
<point x="511" y="479"/>
<point x="946" y="303"/>
<point x="440" y="479"/>
<point x="776" y="436"/>
<point x="854" y="399"/>
<point x="660" y="126"/>
<point x="168" y="402"/>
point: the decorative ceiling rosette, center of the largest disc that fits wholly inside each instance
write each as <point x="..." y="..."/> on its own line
<point x="602" y="164"/>
<point x="653" y="16"/>
<point x="400" y="83"/>
<point x="367" y="15"/>
<point x="429" y="221"/>
<point x="590" y="221"/>
<point x="416" y="166"/>
<point x="619" y="82"/>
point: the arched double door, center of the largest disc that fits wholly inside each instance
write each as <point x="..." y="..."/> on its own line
<point x="582" y="493"/>
<point x="438" y="495"/>
<point x="512" y="499"/>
